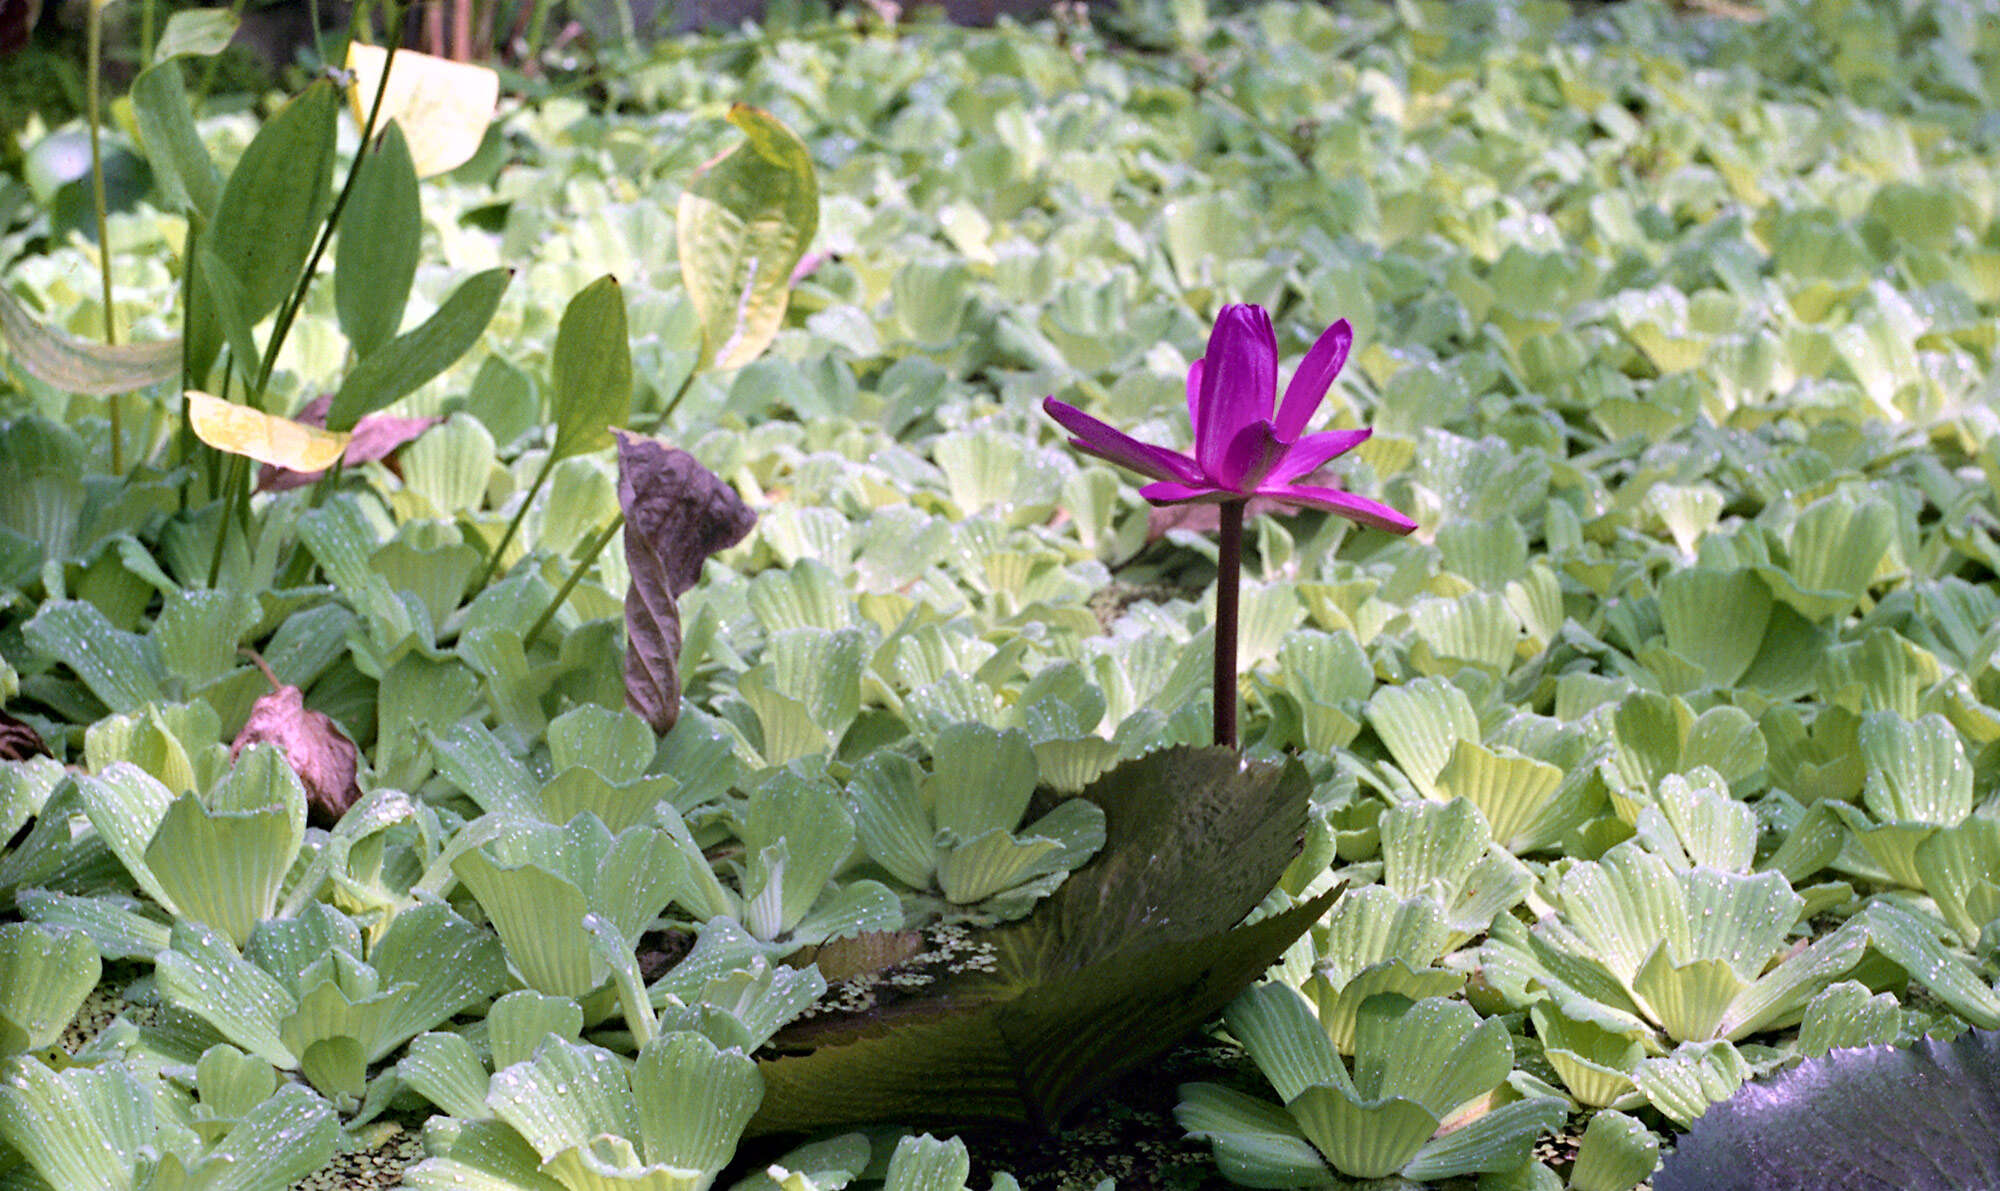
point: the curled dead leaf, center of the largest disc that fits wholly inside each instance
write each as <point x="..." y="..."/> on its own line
<point x="677" y="513"/>
<point x="315" y="747"/>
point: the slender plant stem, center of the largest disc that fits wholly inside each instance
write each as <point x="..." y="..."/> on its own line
<point x="187" y="439"/>
<point x="667" y="410"/>
<point x="94" y="51"/>
<point x="493" y="559"/>
<point x="233" y="475"/>
<point x="590" y="553"/>
<point x="290" y="310"/>
<point x="1228" y="581"/>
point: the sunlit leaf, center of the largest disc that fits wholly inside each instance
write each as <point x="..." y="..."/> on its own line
<point x="442" y="106"/>
<point x="267" y="438"/>
<point x="744" y="221"/>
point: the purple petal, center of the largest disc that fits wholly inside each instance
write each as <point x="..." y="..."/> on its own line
<point x="1109" y="443"/>
<point x="1333" y="500"/>
<point x="1309" y="384"/>
<point x="1239" y="381"/>
<point x="1311" y="453"/>
<point x="1194" y="393"/>
<point x="1252" y="454"/>
<point x="1168" y="492"/>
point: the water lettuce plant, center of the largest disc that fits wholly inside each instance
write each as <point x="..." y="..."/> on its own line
<point x="1674" y="333"/>
<point x="1415" y="1064"/>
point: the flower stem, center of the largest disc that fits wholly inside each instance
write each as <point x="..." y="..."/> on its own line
<point x="1228" y="579"/>
<point x="94" y="61"/>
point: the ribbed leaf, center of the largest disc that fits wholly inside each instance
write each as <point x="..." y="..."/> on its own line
<point x="44" y="977"/>
<point x="1512" y="792"/>
<point x="981" y="780"/>
<point x="1257" y="1143"/>
<point x="1501" y="1140"/>
<point x="1956" y="867"/>
<point x="223" y="868"/>
<point x="444" y="1069"/>
<point x="744" y="221"/>
<point x="539" y="917"/>
<point x="517" y="1023"/>
<point x="1844" y="1015"/>
<point x="1715" y="619"/>
<point x="1617" y="1154"/>
<point x="1420" y="722"/>
<point x="114" y="929"/>
<point x="1285" y="1040"/>
<point x="204" y="975"/>
<point x="444" y="963"/>
<point x="693" y="1101"/>
<point x="80" y="1128"/>
<point x="1366" y="1140"/>
<point x="1917" y="772"/>
<point x="563" y="1097"/>
<point x="924" y="1163"/>
<point x="126" y="805"/>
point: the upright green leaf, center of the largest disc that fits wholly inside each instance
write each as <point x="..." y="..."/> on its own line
<point x="744" y="222"/>
<point x="275" y="197"/>
<point x="187" y="178"/>
<point x="375" y="260"/>
<point x="197" y="31"/>
<point x="593" y="369"/>
<point x="407" y="361"/>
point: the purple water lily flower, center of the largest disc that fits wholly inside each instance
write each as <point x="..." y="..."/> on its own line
<point x="1246" y="442"/>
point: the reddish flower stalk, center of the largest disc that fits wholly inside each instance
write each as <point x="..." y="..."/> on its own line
<point x="1246" y="443"/>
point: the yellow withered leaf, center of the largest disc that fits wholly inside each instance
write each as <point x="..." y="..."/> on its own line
<point x="442" y="106"/>
<point x="264" y="437"/>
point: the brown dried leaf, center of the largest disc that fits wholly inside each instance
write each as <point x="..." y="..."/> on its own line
<point x="315" y="747"/>
<point x="376" y="436"/>
<point x="677" y="513"/>
<point x="18" y="741"/>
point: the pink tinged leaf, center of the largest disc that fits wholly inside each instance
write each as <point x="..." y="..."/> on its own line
<point x="677" y="513"/>
<point x="1239" y="380"/>
<point x="377" y="436"/>
<point x="1115" y="446"/>
<point x="313" y="745"/>
<point x="1315" y="375"/>
<point x="1252" y="454"/>
<point x="1314" y="451"/>
<point x="1345" y="504"/>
